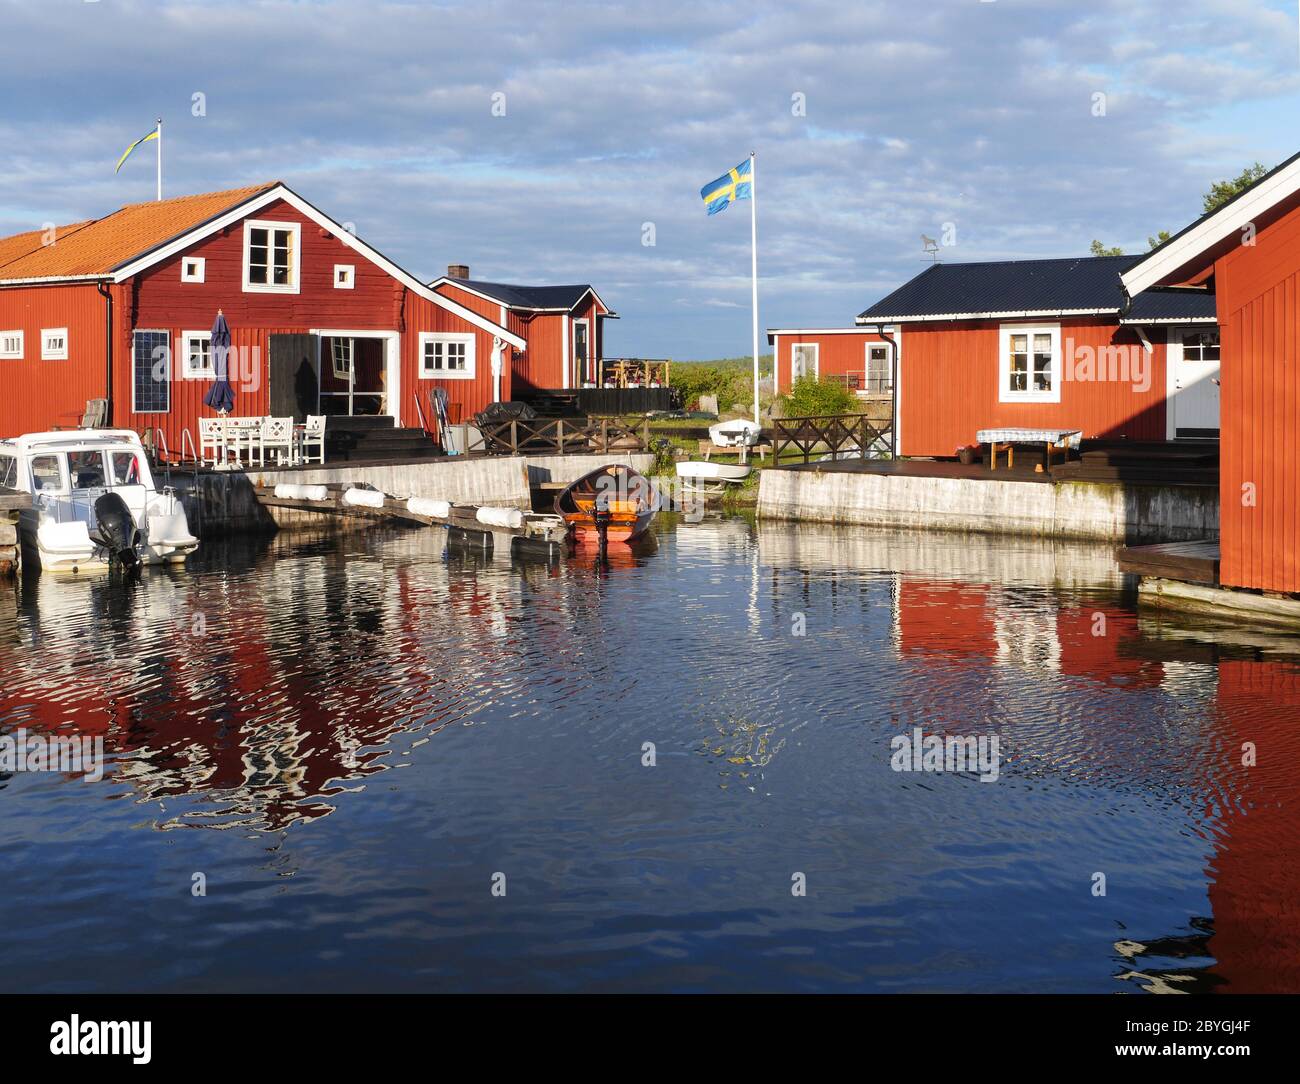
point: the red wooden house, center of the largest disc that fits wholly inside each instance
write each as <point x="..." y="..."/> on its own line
<point x="1025" y="343"/>
<point x="564" y="326"/>
<point x="1245" y="257"/>
<point x="121" y="308"/>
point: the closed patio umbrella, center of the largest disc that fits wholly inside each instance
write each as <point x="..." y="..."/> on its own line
<point x="221" y="396"/>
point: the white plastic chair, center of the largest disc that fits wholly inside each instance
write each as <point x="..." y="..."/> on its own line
<point x="275" y="438"/>
<point x="243" y="439"/>
<point x="313" y="436"/>
<point x="212" y="439"/>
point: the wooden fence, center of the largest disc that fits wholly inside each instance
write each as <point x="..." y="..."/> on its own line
<point x="558" y="436"/>
<point x="842" y="436"/>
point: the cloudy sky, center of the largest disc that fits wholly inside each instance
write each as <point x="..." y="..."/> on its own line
<point x="978" y="115"/>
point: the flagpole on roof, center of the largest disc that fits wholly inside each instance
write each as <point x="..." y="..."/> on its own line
<point x="160" y="159"/>
<point x="753" y="256"/>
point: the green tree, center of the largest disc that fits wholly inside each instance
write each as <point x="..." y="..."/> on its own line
<point x="810" y="398"/>
<point x="1219" y="194"/>
<point x="1222" y="191"/>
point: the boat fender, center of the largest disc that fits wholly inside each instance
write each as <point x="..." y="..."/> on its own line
<point x="289" y="491"/>
<point x="512" y="518"/>
<point x="364" y="498"/>
<point x="427" y="506"/>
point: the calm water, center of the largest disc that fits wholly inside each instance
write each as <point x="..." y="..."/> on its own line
<point x="350" y="736"/>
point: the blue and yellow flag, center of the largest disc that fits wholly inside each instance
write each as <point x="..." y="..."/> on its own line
<point x="127" y="153"/>
<point x="733" y="185"/>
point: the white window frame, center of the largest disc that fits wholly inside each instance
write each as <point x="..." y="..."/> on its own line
<point x="1005" y="394"/>
<point x="58" y="353"/>
<point x="12" y="355"/>
<point x="817" y="360"/>
<point x="349" y="280"/>
<point x="470" y="341"/>
<point x="295" y="259"/>
<point x="200" y="272"/>
<point x="188" y="372"/>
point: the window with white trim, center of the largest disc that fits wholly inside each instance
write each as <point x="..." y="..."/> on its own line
<point x="446" y="356"/>
<point x="1201" y="345"/>
<point x="345" y="276"/>
<point x="803" y="360"/>
<point x="271" y="256"/>
<point x="196" y="355"/>
<point x="11" y="345"/>
<point x="1029" y="368"/>
<point x="54" y="344"/>
<point x="193" y="269"/>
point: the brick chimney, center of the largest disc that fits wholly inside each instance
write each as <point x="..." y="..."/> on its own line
<point x="458" y="270"/>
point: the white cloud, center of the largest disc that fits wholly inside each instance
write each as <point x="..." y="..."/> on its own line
<point x="975" y="114"/>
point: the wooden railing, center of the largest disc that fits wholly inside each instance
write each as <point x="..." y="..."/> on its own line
<point x="859" y="382"/>
<point x="635" y="372"/>
<point x="543" y="436"/>
<point x="843" y="436"/>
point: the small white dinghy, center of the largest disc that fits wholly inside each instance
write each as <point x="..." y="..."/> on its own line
<point x="739" y="433"/>
<point x="700" y="477"/>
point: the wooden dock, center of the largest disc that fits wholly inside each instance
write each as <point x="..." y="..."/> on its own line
<point x="12" y="503"/>
<point x="1189" y="562"/>
<point x="540" y="536"/>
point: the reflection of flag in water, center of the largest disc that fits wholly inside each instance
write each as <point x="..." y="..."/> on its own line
<point x="733" y="185"/>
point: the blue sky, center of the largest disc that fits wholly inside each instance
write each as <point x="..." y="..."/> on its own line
<point x="918" y="114"/>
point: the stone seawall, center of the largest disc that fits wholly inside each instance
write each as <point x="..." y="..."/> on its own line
<point x="1101" y="511"/>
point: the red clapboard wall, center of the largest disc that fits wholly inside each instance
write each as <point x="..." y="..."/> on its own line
<point x="1258" y="291"/>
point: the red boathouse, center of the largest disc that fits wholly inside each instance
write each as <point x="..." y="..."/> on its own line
<point x="564" y="326"/>
<point x="121" y="308"/>
<point x="1245" y="257"/>
<point x="1023" y="343"/>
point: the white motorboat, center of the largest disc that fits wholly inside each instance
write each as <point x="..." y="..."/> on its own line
<point x="93" y="502"/>
<point x="738" y="433"/>
<point x="709" y="477"/>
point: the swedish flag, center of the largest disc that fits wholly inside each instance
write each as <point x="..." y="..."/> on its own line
<point x="155" y="134"/>
<point x="735" y="184"/>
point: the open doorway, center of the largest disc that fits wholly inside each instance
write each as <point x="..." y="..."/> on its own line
<point x="358" y="373"/>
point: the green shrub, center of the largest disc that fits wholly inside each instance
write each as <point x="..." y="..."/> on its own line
<point x="811" y="397"/>
<point x="730" y="379"/>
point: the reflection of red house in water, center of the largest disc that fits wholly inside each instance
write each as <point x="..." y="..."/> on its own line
<point x="1094" y="638"/>
<point x="945" y="619"/>
<point x="1255" y="891"/>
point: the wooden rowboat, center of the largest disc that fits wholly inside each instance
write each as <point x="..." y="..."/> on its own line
<point x="625" y="500"/>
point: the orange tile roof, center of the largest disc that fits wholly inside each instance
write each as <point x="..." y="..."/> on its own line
<point x="98" y="246"/>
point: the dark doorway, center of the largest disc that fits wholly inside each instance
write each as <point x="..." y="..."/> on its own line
<point x="294" y="378"/>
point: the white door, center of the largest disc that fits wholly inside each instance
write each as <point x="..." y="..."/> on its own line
<point x="1194" y="382"/>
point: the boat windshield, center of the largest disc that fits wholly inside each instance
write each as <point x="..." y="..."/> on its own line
<point x="47" y="473"/>
<point x="126" y="468"/>
<point x="86" y="469"/>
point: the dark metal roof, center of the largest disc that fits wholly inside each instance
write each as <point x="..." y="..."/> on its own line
<point x="528" y="297"/>
<point x="1085" y="283"/>
<point x="1172" y="304"/>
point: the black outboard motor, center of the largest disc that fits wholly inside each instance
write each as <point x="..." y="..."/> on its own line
<point x="116" y="531"/>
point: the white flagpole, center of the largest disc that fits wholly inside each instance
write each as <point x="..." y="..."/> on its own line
<point x="753" y="254"/>
<point x="160" y="159"/>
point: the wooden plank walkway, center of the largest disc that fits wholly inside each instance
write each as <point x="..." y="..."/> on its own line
<point x="1190" y="562"/>
<point x="539" y="538"/>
